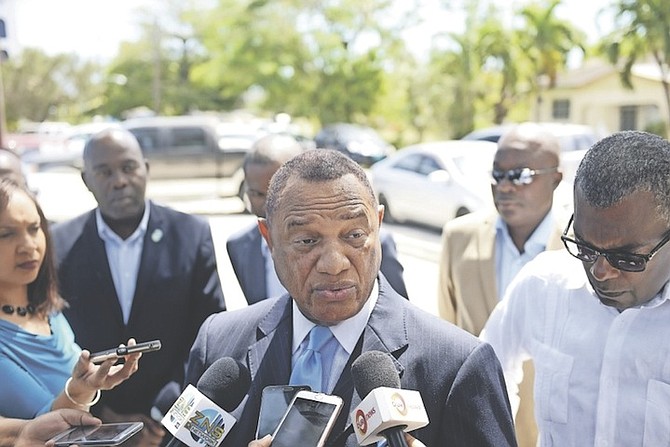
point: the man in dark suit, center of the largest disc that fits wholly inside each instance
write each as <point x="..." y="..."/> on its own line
<point x="131" y="268"/>
<point x="249" y="254"/>
<point x="322" y="227"/>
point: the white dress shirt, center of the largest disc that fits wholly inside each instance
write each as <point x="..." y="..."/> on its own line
<point x="337" y="351"/>
<point x="123" y="257"/>
<point x="507" y="257"/>
<point x="602" y="377"/>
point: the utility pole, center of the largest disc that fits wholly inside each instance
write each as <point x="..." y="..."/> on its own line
<point x="3" y="57"/>
<point x="156" y="80"/>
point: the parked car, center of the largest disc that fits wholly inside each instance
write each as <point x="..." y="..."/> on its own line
<point x="65" y="151"/>
<point x="192" y="146"/>
<point x="431" y="183"/>
<point x="362" y="144"/>
<point x="575" y="140"/>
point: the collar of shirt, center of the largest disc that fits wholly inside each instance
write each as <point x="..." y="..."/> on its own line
<point x="537" y="241"/>
<point x="346" y="332"/>
<point x="508" y="260"/>
<point x="108" y="235"/>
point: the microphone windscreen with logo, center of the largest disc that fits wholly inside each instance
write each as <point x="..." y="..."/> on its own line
<point x="225" y="382"/>
<point x="374" y="369"/>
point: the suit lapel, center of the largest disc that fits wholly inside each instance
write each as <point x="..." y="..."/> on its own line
<point x="97" y="263"/>
<point x="269" y="358"/>
<point x="256" y="288"/>
<point x="153" y="244"/>
<point x="376" y="337"/>
<point x="486" y="253"/>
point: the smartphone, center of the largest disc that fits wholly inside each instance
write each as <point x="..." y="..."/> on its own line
<point x="274" y="402"/>
<point x="147" y="346"/>
<point x="105" y="434"/>
<point x="308" y="420"/>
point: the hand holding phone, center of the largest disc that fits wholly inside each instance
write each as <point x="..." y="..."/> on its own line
<point x="97" y="435"/>
<point x="148" y="346"/>
<point x="274" y="402"/>
<point x="308" y="421"/>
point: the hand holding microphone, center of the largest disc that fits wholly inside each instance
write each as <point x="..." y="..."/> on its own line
<point x="196" y="419"/>
<point x="386" y="411"/>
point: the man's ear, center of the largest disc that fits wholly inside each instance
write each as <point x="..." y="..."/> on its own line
<point x="380" y="212"/>
<point x="83" y="179"/>
<point x="265" y="231"/>
<point x="558" y="176"/>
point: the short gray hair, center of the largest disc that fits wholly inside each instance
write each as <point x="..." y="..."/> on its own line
<point x="622" y="164"/>
<point x="315" y="165"/>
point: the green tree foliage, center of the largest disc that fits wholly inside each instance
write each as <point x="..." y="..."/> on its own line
<point x="642" y="31"/>
<point x="306" y="58"/>
<point x="547" y="40"/>
<point x="325" y="60"/>
<point x="40" y="87"/>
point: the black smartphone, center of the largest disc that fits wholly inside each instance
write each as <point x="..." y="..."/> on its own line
<point x="147" y="346"/>
<point x="105" y="434"/>
<point x="308" y="421"/>
<point x="274" y="402"/>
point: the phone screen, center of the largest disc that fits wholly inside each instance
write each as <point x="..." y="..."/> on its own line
<point x="304" y="424"/>
<point x="274" y="402"/>
<point x="105" y="434"/>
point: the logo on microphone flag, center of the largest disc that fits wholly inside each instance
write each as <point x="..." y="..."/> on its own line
<point x="385" y="408"/>
<point x="398" y="403"/>
<point x="197" y="421"/>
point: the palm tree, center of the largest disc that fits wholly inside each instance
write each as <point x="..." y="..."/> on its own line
<point x="547" y="40"/>
<point x="642" y="30"/>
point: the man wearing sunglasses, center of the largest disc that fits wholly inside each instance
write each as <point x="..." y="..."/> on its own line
<point x="482" y="252"/>
<point x="595" y="317"/>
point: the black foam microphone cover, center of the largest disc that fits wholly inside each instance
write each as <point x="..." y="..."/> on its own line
<point x="165" y="399"/>
<point x="374" y="369"/>
<point x="225" y="382"/>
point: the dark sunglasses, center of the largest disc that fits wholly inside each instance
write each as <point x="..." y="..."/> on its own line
<point x="519" y="176"/>
<point x="627" y="262"/>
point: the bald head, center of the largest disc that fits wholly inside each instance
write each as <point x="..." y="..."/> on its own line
<point x="274" y="149"/>
<point x="266" y="156"/>
<point x="111" y="137"/>
<point x="531" y="137"/>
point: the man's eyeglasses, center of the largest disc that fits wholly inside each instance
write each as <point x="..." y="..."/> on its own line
<point x="519" y="176"/>
<point x="628" y="262"/>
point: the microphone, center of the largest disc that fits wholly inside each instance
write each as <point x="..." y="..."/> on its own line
<point x="196" y="419"/>
<point x="386" y="411"/>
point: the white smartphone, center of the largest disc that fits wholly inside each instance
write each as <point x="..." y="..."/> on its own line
<point x="147" y="346"/>
<point x="308" y="420"/>
<point x="274" y="402"/>
<point x="105" y="434"/>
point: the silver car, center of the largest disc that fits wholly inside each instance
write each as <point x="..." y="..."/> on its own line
<point x="432" y="183"/>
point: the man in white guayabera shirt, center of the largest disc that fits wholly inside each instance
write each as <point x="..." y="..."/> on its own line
<point x="595" y="318"/>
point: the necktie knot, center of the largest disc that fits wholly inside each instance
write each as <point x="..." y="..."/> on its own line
<point x="318" y="337"/>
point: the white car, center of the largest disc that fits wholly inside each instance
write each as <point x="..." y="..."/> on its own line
<point x="432" y="183"/>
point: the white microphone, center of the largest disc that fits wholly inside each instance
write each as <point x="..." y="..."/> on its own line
<point x="386" y="411"/>
<point x="195" y="419"/>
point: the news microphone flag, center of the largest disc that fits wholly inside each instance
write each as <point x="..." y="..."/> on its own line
<point x="386" y="408"/>
<point x="197" y="421"/>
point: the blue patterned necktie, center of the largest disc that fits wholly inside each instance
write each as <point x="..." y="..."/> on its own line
<point x="308" y="369"/>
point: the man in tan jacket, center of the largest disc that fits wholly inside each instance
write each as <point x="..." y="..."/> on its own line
<point x="482" y="252"/>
